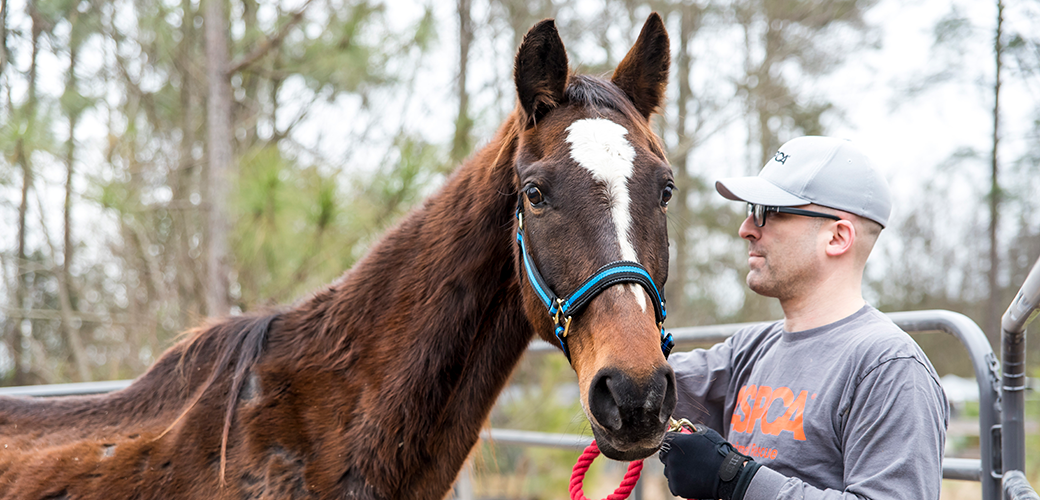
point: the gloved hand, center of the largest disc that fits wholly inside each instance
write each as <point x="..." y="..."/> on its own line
<point x="703" y="465"/>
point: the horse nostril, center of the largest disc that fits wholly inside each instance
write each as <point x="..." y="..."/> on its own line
<point x="670" y="397"/>
<point x="602" y="404"/>
<point x="617" y="401"/>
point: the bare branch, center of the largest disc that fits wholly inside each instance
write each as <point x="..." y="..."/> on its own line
<point x="269" y="43"/>
<point x="72" y="332"/>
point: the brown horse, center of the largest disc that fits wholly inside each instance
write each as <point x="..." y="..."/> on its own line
<point x="377" y="386"/>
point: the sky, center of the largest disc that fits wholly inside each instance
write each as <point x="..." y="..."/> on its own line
<point x="908" y="137"/>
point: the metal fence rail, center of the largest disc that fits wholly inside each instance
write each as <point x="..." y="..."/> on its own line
<point x="1023" y="309"/>
<point x="1017" y="487"/>
<point x="74" y="389"/>
<point x="963" y="469"/>
<point x="986" y="470"/>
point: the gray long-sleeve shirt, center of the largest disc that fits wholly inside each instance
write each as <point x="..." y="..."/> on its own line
<point x="853" y="409"/>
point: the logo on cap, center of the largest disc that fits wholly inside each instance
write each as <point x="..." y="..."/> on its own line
<point x="781" y="157"/>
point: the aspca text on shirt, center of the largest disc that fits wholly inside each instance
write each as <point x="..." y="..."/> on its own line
<point x="773" y="411"/>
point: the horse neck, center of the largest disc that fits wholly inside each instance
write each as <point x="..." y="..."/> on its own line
<point x="432" y="318"/>
<point x="450" y="257"/>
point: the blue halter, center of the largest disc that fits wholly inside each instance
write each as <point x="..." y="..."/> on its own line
<point x="562" y="310"/>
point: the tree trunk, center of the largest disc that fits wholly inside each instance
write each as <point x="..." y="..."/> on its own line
<point x="70" y="327"/>
<point x="463" y="123"/>
<point x="995" y="303"/>
<point x="679" y="209"/>
<point x="249" y="107"/>
<point x="23" y="153"/>
<point x="218" y="113"/>
<point x="769" y="95"/>
<point x="14" y="324"/>
<point x="3" y="36"/>
<point x="189" y="302"/>
<point x="9" y="325"/>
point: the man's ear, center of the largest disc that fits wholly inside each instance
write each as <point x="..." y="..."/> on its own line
<point x="643" y="73"/>
<point x="842" y="235"/>
<point x="540" y="71"/>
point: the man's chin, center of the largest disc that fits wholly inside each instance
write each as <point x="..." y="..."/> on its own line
<point x="759" y="286"/>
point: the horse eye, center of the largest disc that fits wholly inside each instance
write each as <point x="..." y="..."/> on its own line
<point x="666" y="195"/>
<point x="534" y="195"/>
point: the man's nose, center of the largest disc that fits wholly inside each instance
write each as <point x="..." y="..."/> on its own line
<point x="748" y="229"/>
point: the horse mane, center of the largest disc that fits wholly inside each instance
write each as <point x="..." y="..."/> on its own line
<point x="245" y="336"/>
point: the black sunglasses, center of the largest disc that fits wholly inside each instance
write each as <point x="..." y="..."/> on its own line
<point x="758" y="213"/>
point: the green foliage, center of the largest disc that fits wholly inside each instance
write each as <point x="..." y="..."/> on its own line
<point x="345" y="55"/>
<point x="73" y="103"/>
<point x="411" y="170"/>
<point x="297" y="227"/>
<point x="425" y="31"/>
<point x="291" y="233"/>
<point x="1033" y="438"/>
<point x="299" y="223"/>
<point x="953" y="28"/>
<point x="25" y="130"/>
<point x="542" y="398"/>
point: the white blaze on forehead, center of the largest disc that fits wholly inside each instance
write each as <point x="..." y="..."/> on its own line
<point x="599" y="146"/>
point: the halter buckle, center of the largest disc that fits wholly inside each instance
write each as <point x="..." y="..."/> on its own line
<point x="678" y="425"/>
<point x="558" y="319"/>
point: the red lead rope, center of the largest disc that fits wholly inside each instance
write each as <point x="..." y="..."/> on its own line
<point x="631" y="476"/>
<point x="582" y="466"/>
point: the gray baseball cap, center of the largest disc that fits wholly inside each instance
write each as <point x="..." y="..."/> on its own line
<point x="826" y="171"/>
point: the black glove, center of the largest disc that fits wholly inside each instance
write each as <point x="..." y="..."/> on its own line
<point x="703" y="465"/>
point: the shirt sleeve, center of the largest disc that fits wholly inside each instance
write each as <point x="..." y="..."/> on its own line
<point x="893" y="433"/>
<point x="702" y="379"/>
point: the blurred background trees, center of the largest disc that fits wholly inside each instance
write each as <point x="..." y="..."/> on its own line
<point x="149" y="180"/>
<point x="120" y="200"/>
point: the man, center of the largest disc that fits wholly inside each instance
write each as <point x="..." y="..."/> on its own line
<point x="834" y="401"/>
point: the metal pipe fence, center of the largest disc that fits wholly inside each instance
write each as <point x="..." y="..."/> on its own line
<point x="1020" y="312"/>
<point x="995" y="442"/>
<point x="1017" y="487"/>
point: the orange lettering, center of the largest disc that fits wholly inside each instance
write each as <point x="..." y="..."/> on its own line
<point x="773" y="428"/>
<point x="739" y="422"/>
<point x="792" y="420"/>
<point x="753" y="404"/>
<point x="761" y="402"/>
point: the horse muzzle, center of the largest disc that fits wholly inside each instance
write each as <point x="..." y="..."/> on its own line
<point x="630" y="417"/>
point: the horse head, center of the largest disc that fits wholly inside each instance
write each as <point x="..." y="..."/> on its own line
<point x="594" y="185"/>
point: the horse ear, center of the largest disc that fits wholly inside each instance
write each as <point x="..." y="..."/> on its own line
<point x="643" y="73"/>
<point x="540" y="71"/>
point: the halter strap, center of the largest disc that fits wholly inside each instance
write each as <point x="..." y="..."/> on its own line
<point x="562" y="310"/>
